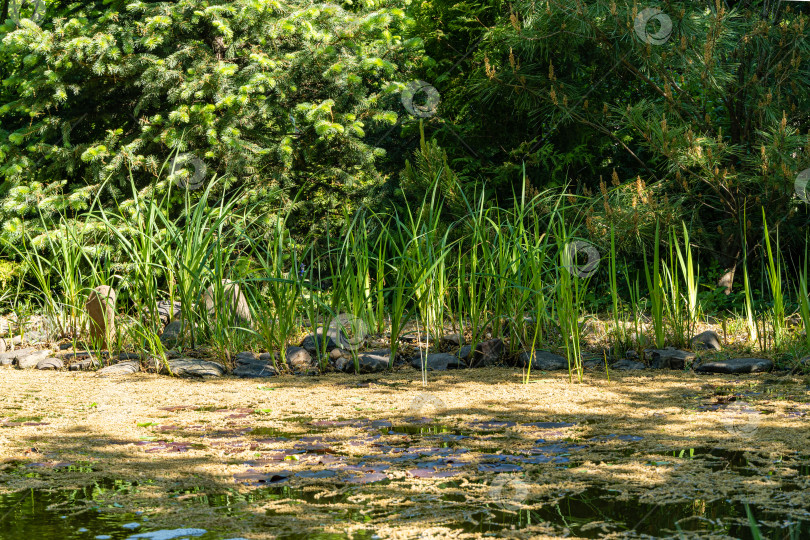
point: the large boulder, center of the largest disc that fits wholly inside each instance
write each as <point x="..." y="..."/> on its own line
<point x="232" y="306"/>
<point x="101" y="310"/>
<point x="736" y="365"/>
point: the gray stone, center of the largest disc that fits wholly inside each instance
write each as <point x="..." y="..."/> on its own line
<point x="309" y="342"/>
<point x="246" y="356"/>
<point x="50" y="363"/>
<point x="233" y="305"/>
<point x="437" y="362"/>
<point x="175" y="333"/>
<point x="254" y="369"/>
<point x="594" y="363"/>
<point x="101" y="309"/>
<point x="374" y="361"/>
<point x="121" y="368"/>
<point x="736" y="365"/>
<point x="124" y="356"/>
<point x="708" y="340"/>
<point x="669" y="358"/>
<point x="10" y="356"/>
<point x="31" y="360"/>
<point x="69" y="355"/>
<point x="335" y="354"/>
<point x="168" y="311"/>
<point x="192" y="367"/>
<point x="451" y="340"/>
<point x="344" y="325"/>
<point x="267" y="357"/>
<point x="543" y="360"/>
<point x="488" y="353"/>
<point x="627" y="365"/>
<point x="85" y="364"/>
<point x="464" y="352"/>
<point x="299" y="359"/>
<point x="370" y="362"/>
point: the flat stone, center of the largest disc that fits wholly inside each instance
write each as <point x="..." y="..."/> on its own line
<point x="50" y="363"/>
<point x="85" y="364"/>
<point x="708" y="340"/>
<point x="437" y="362"/>
<point x="14" y="355"/>
<point x="626" y="364"/>
<point x="73" y="355"/>
<point x="736" y="365"/>
<point x="192" y="367"/>
<point x="543" y="360"/>
<point x="31" y="360"/>
<point x="669" y="358"/>
<point x="121" y="368"/>
<point x="488" y="353"/>
<point x="255" y="369"/>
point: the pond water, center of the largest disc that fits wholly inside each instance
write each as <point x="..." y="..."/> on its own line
<point x="295" y="476"/>
<point x="458" y="459"/>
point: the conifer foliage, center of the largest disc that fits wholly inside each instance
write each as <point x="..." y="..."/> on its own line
<point x="274" y="97"/>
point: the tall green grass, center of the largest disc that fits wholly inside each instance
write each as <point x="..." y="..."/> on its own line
<point x="488" y="273"/>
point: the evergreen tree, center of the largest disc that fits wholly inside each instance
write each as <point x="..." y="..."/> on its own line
<point x="272" y="97"/>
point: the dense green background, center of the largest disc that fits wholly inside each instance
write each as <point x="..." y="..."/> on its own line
<point x="296" y="105"/>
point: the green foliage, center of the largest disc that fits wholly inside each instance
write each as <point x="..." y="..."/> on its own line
<point x="271" y="96"/>
<point x="709" y="123"/>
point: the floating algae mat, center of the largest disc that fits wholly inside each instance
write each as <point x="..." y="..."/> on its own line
<point x="624" y="459"/>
